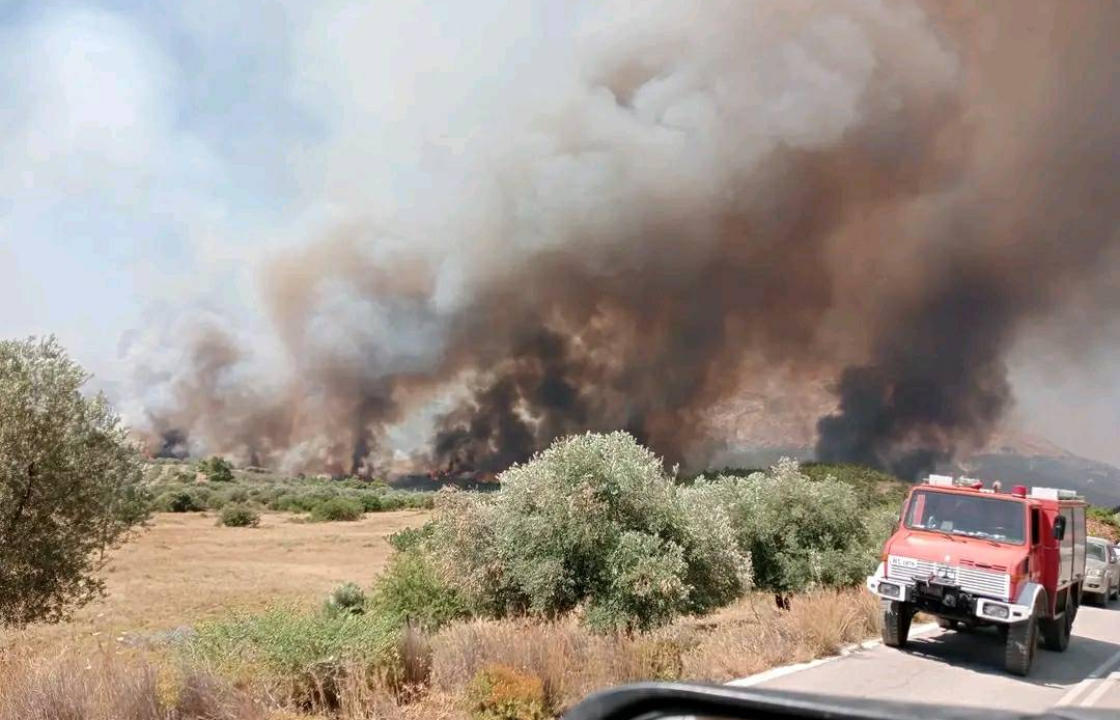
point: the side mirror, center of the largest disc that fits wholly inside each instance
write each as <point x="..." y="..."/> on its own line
<point x="1060" y="527"/>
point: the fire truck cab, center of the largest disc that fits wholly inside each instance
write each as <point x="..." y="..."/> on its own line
<point x="975" y="556"/>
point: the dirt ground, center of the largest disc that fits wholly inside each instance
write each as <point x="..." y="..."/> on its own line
<point x="184" y="568"/>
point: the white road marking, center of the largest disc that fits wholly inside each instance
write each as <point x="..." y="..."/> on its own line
<point x="1102" y="687"/>
<point x="1101" y="670"/>
<point x="774" y="673"/>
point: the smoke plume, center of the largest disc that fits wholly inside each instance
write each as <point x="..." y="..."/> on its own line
<point x="688" y="198"/>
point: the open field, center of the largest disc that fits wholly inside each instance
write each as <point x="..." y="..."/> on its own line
<point x="113" y="656"/>
<point x="184" y="568"/>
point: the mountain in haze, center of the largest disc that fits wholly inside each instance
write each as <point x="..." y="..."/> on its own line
<point x="763" y="429"/>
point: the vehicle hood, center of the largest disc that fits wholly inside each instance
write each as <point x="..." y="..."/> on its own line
<point x="1093" y="563"/>
<point x="970" y="552"/>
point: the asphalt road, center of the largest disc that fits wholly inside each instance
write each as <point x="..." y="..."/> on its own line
<point x="966" y="669"/>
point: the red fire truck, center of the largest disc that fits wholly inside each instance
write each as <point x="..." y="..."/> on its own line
<point x="975" y="556"/>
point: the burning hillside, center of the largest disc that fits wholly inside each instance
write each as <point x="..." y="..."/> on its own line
<point x="703" y="202"/>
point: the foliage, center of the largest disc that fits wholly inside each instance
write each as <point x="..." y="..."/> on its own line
<point x="347" y="598"/>
<point x="500" y="692"/>
<point x="800" y="533"/>
<point x="70" y="483"/>
<point x="336" y="509"/>
<point x="216" y="469"/>
<point x="593" y="521"/>
<point x="1108" y="516"/>
<point x="872" y="487"/>
<point x="306" y="657"/>
<point x="1104" y="522"/>
<point x="412" y="591"/>
<point x="273" y="491"/>
<point x="411" y="538"/>
<point x="179" y="501"/>
<point x="236" y="515"/>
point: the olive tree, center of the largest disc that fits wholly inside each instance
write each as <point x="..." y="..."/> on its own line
<point x="801" y="533"/>
<point x="593" y="522"/>
<point x="70" y="483"/>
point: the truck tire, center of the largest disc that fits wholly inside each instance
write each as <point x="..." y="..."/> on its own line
<point x="1055" y="632"/>
<point x="896" y="623"/>
<point x="1021" y="643"/>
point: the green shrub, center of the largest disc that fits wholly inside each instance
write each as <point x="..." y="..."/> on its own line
<point x="872" y="487"/>
<point x="336" y="508"/>
<point x="178" y="501"/>
<point x="411" y="590"/>
<point x="1104" y="515"/>
<point x="234" y="515"/>
<point x="289" y="502"/>
<point x="216" y="469"/>
<point x="594" y="521"/>
<point x="216" y="500"/>
<point x="500" y="692"/>
<point x="410" y="538"/>
<point x="371" y="501"/>
<point x="237" y="495"/>
<point x="303" y="657"/>
<point x="800" y="533"/>
<point x="347" y="598"/>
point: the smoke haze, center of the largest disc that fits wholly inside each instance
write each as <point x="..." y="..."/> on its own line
<point x="666" y="206"/>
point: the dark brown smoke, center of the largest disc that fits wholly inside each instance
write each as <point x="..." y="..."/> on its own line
<point x="876" y="193"/>
<point x="1035" y="225"/>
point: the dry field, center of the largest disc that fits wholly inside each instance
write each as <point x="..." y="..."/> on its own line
<point x="185" y="568"/>
<point x="99" y="666"/>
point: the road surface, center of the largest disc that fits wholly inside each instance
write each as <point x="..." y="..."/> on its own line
<point x="966" y="669"/>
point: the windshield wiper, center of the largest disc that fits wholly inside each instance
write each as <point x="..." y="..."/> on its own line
<point x="946" y="533"/>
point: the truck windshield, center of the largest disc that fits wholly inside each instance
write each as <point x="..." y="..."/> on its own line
<point x="987" y="517"/>
<point x="1097" y="552"/>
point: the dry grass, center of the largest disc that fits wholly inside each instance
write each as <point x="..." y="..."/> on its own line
<point x="567" y="659"/>
<point x="747" y="637"/>
<point x="108" y="687"/>
<point x="184" y="569"/>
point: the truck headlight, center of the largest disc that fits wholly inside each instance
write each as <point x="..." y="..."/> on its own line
<point x="890" y="589"/>
<point x="997" y="611"/>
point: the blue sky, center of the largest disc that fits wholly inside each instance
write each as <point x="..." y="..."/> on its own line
<point x="153" y="154"/>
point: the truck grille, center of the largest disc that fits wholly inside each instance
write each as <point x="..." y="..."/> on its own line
<point x="973" y="580"/>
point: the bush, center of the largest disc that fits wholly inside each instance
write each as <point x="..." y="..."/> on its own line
<point x="371" y="501"/>
<point x="410" y="538"/>
<point x="336" y="508"/>
<point x="178" y="501"/>
<point x="800" y="533"/>
<point x="235" y="515"/>
<point x="216" y="469"/>
<point x="303" y="658"/>
<point x="592" y="521"/>
<point x="411" y="590"/>
<point x="347" y="598"/>
<point x="499" y="692"/>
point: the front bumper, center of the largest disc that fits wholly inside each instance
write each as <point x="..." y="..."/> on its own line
<point x="947" y="600"/>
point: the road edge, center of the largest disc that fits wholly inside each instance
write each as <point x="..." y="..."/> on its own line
<point x="782" y="671"/>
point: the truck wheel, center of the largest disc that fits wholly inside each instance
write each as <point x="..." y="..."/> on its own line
<point x="896" y="623"/>
<point x="1055" y="632"/>
<point x="1022" y="640"/>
